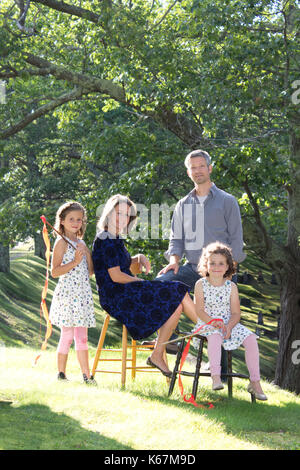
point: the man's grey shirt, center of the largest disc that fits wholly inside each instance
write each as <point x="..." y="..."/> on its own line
<point x="195" y="225"/>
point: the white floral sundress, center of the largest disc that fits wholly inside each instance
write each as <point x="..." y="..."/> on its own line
<point x="217" y="305"/>
<point x="72" y="303"/>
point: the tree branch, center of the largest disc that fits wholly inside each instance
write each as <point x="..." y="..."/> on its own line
<point x="23" y="12"/>
<point x="45" y="109"/>
<point x="70" y="9"/>
<point x="274" y="254"/>
<point x="164" y="16"/>
<point x="88" y="83"/>
<point x="12" y="73"/>
<point x="257" y="217"/>
<point x="186" y="129"/>
<point x="256" y="237"/>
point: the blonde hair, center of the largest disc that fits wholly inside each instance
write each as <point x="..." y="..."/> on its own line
<point x="216" y="248"/>
<point x="62" y="213"/>
<point x="110" y="205"/>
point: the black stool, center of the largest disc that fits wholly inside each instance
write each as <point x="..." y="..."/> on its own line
<point x="197" y="372"/>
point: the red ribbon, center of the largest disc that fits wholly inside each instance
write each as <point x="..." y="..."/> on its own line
<point x="43" y="307"/>
<point x="190" y="398"/>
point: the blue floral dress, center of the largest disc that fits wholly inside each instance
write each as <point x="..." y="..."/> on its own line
<point x="143" y="307"/>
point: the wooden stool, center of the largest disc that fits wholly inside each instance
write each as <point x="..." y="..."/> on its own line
<point x="230" y="375"/>
<point x="124" y="356"/>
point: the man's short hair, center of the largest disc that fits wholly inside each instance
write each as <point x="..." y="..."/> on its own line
<point x="197" y="153"/>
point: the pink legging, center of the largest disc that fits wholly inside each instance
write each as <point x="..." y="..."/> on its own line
<point x="251" y="355"/>
<point x="68" y="334"/>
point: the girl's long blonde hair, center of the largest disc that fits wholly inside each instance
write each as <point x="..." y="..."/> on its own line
<point x="110" y="205"/>
<point x="62" y="213"/>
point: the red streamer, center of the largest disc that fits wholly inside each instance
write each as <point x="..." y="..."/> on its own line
<point x="60" y="234"/>
<point x="43" y="307"/>
<point x="190" y="398"/>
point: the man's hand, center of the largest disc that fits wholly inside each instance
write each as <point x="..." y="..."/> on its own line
<point x="173" y="266"/>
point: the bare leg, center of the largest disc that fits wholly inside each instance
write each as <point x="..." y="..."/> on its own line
<point x="189" y="308"/>
<point x="164" y="334"/>
<point x="83" y="359"/>
<point x="62" y="362"/>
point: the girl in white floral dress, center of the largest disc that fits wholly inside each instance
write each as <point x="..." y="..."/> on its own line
<point x="217" y="297"/>
<point x="72" y="307"/>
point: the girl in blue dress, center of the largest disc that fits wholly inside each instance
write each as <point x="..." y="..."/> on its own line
<point x="144" y="307"/>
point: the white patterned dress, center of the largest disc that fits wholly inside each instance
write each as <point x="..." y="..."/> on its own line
<point x="72" y="304"/>
<point x="217" y="305"/>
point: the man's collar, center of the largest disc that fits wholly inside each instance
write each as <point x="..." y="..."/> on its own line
<point x="212" y="190"/>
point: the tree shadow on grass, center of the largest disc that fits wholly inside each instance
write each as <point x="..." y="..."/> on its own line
<point x="37" y="427"/>
<point x="268" y="426"/>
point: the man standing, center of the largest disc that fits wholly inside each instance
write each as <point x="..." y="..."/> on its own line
<point x="207" y="214"/>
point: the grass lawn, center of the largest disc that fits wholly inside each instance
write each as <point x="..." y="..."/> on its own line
<point x="47" y="414"/>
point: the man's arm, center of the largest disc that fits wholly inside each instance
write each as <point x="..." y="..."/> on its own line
<point x="235" y="229"/>
<point x="176" y="243"/>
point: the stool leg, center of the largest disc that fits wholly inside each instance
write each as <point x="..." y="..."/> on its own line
<point x="197" y="369"/>
<point x="133" y="359"/>
<point x="124" y="356"/>
<point x="229" y="379"/>
<point x="224" y="364"/>
<point x="175" y="370"/>
<point x="100" y="343"/>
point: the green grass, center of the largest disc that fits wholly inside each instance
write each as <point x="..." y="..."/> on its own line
<point x="47" y="414"/>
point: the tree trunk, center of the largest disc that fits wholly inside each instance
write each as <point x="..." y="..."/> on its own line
<point x="288" y="362"/>
<point x="287" y="373"/>
<point x="4" y="259"/>
<point x="39" y="245"/>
